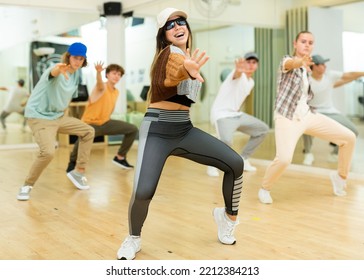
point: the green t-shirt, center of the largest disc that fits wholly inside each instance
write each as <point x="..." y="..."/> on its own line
<point x="51" y="96"/>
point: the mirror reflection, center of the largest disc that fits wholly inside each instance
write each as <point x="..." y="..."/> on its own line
<point x="224" y="46"/>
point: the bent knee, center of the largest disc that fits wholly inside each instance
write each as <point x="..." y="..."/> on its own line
<point x="89" y="133"/>
<point x="283" y="161"/>
<point x="237" y="164"/>
<point x="47" y="154"/>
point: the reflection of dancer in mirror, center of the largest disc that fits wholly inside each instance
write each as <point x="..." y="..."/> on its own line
<point x="167" y="130"/>
<point x="323" y="83"/>
<point x="45" y="109"/>
<point x="16" y="102"/>
<point x="43" y="63"/>
<point x="293" y="117"/>
<point x="226" y="114"/>
<point x="101" y="105"/>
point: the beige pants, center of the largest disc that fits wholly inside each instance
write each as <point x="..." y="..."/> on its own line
<point x="287" y="133"/>
<point x="45" y="133"/>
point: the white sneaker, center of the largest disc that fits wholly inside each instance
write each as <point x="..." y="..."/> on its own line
<point x="78" y="179"/>
<point x="212" y="171"/>
<point x="308" y="159"/>
<point x="333" y="158"/>
<point x="225" y="227"/>
<point x="338" y="184"/>
<point x="264" y="196"/>
<point x="248" y="167"/>
<point x="24" y="193"/>
<point x="130" y="246"/>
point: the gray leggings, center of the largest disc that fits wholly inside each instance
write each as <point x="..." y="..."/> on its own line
<point x="245" y="123"/>
<point x="164" y="133"/>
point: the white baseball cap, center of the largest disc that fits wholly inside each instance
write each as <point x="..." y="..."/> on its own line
<point x="164" y="15"/>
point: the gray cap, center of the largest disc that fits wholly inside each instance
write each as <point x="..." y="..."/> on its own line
<point x="318" y="59"/>
<point x="251" y="55"/>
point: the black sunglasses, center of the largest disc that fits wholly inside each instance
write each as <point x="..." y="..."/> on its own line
<point x="171" y="23"/>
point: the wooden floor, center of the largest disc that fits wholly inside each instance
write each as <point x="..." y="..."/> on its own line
<point x="59" y="222"/>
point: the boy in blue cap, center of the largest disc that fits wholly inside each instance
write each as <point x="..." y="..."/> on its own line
<point x="45" y="113"/>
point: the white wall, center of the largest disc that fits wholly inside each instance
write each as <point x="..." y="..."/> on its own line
<point x="140" y="48"/>
<point x="329" y="44"/>
<point x="23" y="25"/>
<point x="223" y="46"/>
<point x="353" y="45"/>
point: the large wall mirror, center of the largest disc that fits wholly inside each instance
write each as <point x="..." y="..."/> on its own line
<point x="223" y="42"/>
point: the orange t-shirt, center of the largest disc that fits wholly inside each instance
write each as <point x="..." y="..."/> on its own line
<point x="100" y="111"/>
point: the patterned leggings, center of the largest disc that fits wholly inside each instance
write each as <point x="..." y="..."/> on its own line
<point x="164" y="133"/>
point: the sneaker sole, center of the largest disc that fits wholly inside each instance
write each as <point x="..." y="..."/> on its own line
<point x="77" y="185"/>
<point x="126" y="259"/>
<point x="22" y="198"/>
<point x="122" y="166"/>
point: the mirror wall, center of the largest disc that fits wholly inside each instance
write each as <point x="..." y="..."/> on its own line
<point x="223" y="45"/>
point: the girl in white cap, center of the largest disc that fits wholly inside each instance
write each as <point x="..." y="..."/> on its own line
<point x="45" y="113"/>
<point x="167" y="130"/>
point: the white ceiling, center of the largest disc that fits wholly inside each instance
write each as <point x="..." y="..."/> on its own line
<point x="27" y="20"/>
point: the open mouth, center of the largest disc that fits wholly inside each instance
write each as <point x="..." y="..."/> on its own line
<point x="179" y="35"/>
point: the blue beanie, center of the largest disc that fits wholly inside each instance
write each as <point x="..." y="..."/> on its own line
<point x="77" y="49"/>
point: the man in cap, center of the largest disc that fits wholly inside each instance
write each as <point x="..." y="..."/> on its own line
<point x="15" y="103"/>
<point x="323" y="83"/>
<point x="226" y="114"/>
<point x="45" y="113"/>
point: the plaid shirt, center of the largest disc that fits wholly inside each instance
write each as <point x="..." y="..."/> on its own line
<point x="289" y="90"/>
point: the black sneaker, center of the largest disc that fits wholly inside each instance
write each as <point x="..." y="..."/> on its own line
<point x="3" y="123"/>
<point x="122" y="163"/>
<point x="71" y="166"/>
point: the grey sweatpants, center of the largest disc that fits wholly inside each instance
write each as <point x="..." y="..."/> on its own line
<point x="255" y="128"/>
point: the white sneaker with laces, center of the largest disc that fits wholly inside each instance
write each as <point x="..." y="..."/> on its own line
<point x="338" y="184"/>
<point x="78" y="179"/>
<point x="24" y="193"/>
<point x="308" y="159"/>
<point x="225" y="226"/>
<point x="247" y="166"/>
<point x="264" y="196"/>
<point x="212" y="171"/>
<point x="128" y="249"/>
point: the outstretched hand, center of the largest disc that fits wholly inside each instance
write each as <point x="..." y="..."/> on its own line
<point x="307" y="62"/>
<point x="194" y="62"/>
<point x="63" y="69"/>
<point x="240" y="65"/>
<point x="99" y="66"/>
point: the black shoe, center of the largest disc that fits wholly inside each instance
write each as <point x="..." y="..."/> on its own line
<point x="3" y="123"/>
<point x="122" y="163"/>
<point x="71" y="166"/>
